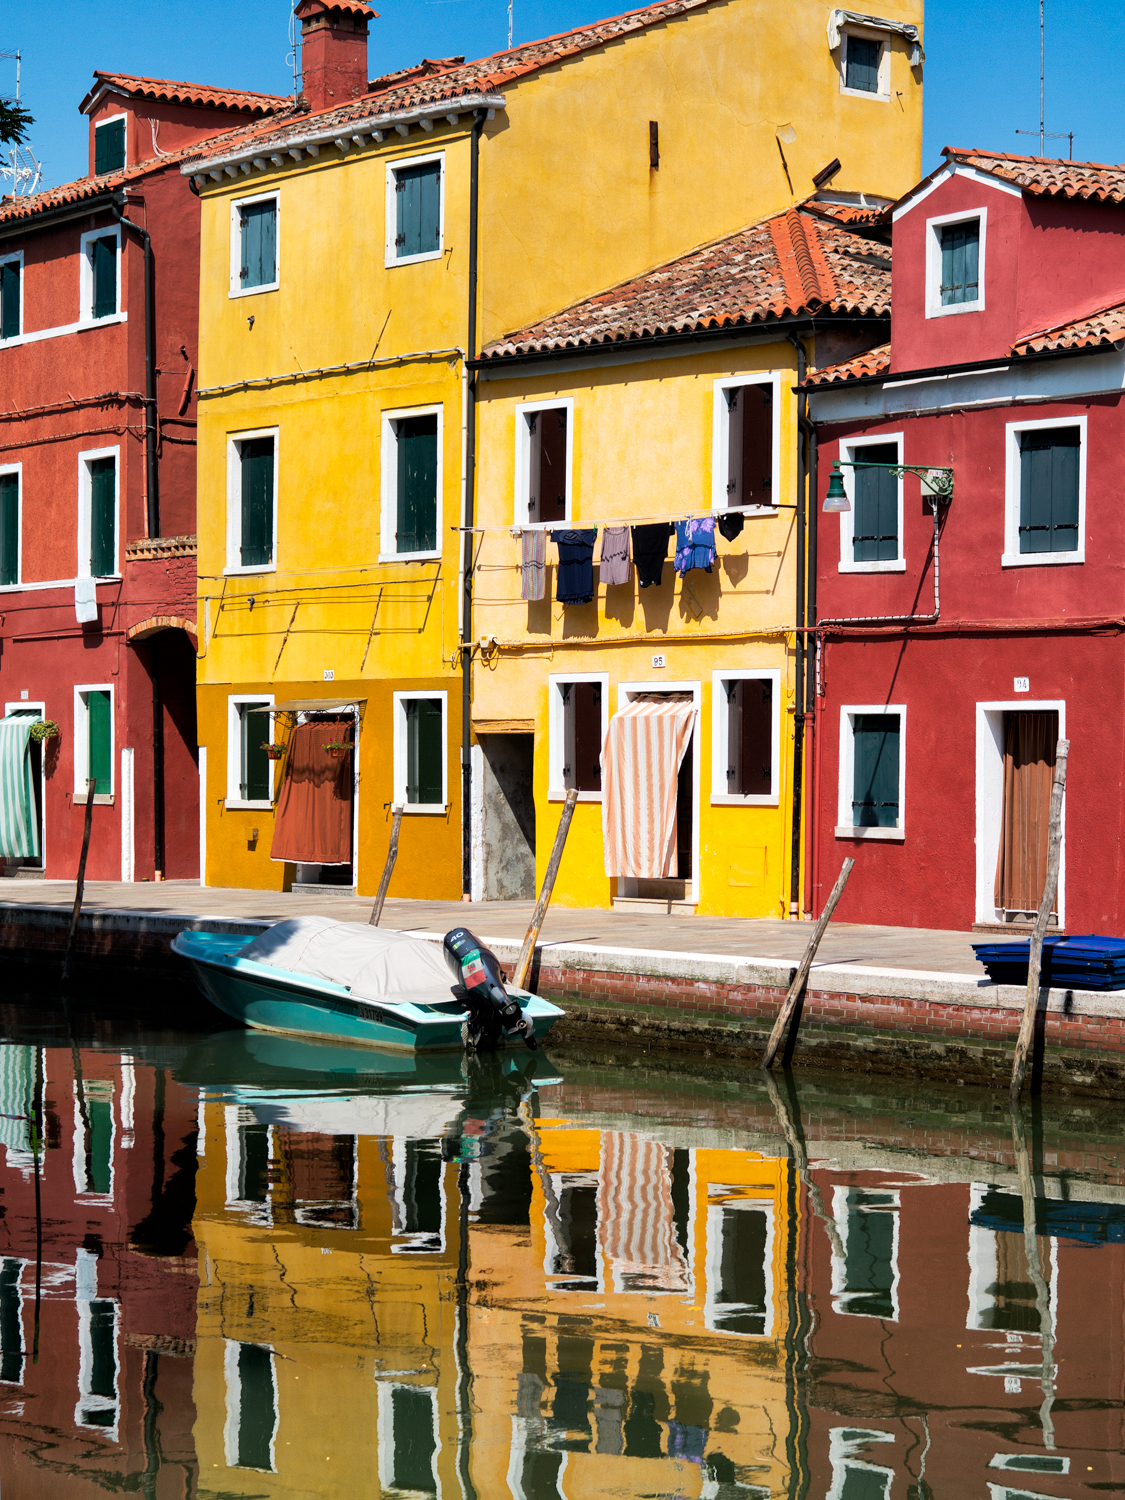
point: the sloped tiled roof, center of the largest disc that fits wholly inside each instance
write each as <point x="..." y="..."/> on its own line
<point x="795" y="262"/>
<point x="871" y="362"/>
<point x="1103" y="328"/>
<point x="420" y="91"/>
<point x="1047" y="176"/>
<point x="169" y="91"/>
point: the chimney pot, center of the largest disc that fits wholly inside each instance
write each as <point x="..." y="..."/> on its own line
<point x="333" y="51"/>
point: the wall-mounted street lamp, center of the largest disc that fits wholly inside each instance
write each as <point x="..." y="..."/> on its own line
<point x="937" y="484"/>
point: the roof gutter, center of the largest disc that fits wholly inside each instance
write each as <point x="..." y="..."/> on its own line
<point x="908" y="377"/>
<point x="262" y="153"/>
<point x="112" y="200"/>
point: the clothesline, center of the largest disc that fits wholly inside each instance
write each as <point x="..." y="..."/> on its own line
<point x="516" y="527"/>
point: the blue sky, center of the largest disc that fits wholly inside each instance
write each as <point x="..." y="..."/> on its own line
<point x="982" y="59"/>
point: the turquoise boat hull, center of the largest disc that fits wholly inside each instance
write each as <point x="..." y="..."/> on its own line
<point x="269" y="998"/>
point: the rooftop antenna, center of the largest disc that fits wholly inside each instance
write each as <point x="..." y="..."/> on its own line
<point x="1050" y="135"/>
<point x="292" y="55"/>
<point x="18" y="165"/>
<point x="509" y="25"/>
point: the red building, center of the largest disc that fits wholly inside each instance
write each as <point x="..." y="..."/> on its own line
<point x="98" y="327"/>
<point x="937" y="710"/>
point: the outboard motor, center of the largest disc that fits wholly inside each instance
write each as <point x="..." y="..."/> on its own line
<point x="480" y="987"/>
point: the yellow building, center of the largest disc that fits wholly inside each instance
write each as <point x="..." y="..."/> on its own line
<point x="667" y="398"/>
<point x="355" y="255"/>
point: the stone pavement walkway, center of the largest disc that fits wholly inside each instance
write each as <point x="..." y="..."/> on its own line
<point x="883" y="947"/>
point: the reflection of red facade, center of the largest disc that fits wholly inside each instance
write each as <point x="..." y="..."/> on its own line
<point x="106" y="488"/>
<point x="112" y="1380"/>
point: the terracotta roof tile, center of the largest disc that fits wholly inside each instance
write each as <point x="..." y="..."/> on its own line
<point x="169" y="91"/>
<point x="1105" y="327"/>
<point x="791" y="263"/>
<point x="1047" y="176"/>
<point x="486" y="75"/>
<point x="871" y="362"/>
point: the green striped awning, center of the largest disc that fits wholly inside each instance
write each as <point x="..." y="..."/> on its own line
<point x="19" y="825"/>
<point x="17" y="1095"/>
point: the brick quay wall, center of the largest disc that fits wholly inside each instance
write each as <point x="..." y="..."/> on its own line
<point x="894" y="1021"/>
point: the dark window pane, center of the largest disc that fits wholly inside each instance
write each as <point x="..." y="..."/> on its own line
<point x="421" y="1191"/>
<point x="257" y="463"/>
<point x="11" y="1324"/>
<point x="99" y="749"/>
<point x="577" y="1253"/>
<point x="103" y="517"/>
<point x="960" y="259"/>
<point x="414" y="1444"/>
<point x="740" y="1297"/>
<point x="864" y="1484"/>
<point x="582" y="702"/>
<point x="750" y="446"/>
<point x="10" y="299"/>
<point x="109" y="147"/>
<point x="257" y="1407"/>
<point x="749" y="769"/>
<point x="417" y="484"/>
<point x="259" y="244"/>
<point x="253" y="1163"/>
<point x="546" y="500"/>
<point x="103" y="254"/>
<point x="424" y="750"/>
<point x="869" y="1256"/>
<point x="254" y="729"/>
<point x="863" y="64"/>
<point x="875" y="799"/>
<point x="875" y="520"/>
<point x="103" y="1350"/>
<point x="1049" y="465"/>
<point x="9" y="528"/>
<point x="418" y="217"/>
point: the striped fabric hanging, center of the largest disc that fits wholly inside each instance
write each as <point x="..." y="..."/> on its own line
<point x="645" y="744"/>
<point x="19" y="825"/>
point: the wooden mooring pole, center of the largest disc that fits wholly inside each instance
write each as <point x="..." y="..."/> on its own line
<point x="388" y="868"/>
<point x="1035" y="952"/>
<point x="527" y="952"/>
<point x="91" y="788"/>
<point x="800" y="979"/>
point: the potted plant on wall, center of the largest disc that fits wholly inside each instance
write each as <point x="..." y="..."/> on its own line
<point x="337" y="749"/>
<point x="273" y="752"/>
<point x="44" y="729"/>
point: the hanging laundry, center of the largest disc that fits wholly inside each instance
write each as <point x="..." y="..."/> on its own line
<point x="616" y="563"/>
<point x="533" y="565"/>
<point x="695" y="545"/>
<point x="650" y="551"/>
<point x="731" y="523"/>
<point x="575" y="583"/>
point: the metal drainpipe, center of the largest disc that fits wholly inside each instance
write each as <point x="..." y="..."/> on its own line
<point x="151" y="481"/>
<point x="479" y="119"/>
<point x="157" y="763"/>
<point x="810" y="681"/>
<point x="799" y="668"/>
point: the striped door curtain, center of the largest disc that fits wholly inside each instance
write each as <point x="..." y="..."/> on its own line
<point x="636" y="1215"/>
<point x="645" y="744"/>
<point x="19" y="825"/>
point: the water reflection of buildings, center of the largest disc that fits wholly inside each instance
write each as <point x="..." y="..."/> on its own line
<point x="97" y="1272"/>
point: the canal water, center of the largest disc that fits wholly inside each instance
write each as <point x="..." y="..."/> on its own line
<point x="236" y="1266"/>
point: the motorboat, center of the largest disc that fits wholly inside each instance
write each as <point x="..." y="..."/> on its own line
<point x="367" y="986"/>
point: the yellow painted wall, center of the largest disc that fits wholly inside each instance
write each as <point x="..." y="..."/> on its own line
<point x="642" y="448"/>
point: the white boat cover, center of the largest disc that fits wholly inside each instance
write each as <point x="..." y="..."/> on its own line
<point x="373" y="963"/>
<point x="416" y="1115"/>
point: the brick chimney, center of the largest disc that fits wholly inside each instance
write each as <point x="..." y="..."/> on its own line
<point x="333" y="50"/>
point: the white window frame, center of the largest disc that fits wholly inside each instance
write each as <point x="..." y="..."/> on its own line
<point x="236" y="287"/>
<point x="850" y="448"/>
<point x="934" y="226"/>
<point x="6" y="258"/>
<point x="234" y="498"/>
<point x="840" y="1296"/>
<point x="234" y="1405"/>
<point x="557" y="731"/>
<point x="384" y="1422"/>
<point x="234" y="1117"/>
<point x="112" y="120"/>
<point x="720" y="443"/>
<point x="388" y="519"/>
<point x="552" y="1249"/>
<point x="393" y="168"/>
<point x="400" y="740"/>
<point x="990" y="798"/>
<point x="1010" y="1463"/>
<point x="845" y="828"/>
<point x="720" y="725"/>
<point x="1012" y="556"/>
<point x="847" y="1450"/>
<point x="740" y="1199"/>
<point x="408" y="1241"/>
<point x="85" y="513"/>
<point x="524" y="410"/>
<point x="866" y="34"/>
<point x="235" y="801"/>
<point x="85" y="1295"/>
<point x="86" y="317"/>
<point x="17" y="470"/>
<point x="82" y="742"/>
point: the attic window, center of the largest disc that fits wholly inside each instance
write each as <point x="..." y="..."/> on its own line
<point x="109" y="146"/>
<point x="955" y="250"/>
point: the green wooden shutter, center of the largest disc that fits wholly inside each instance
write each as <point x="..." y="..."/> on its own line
<point x="960" y="259"/>
<point x="875" y="799"/>
<point x="424" y="750"/>
<point x="863" y="65"/>
<point x="109" y="147"/>
<point x="875" y="520"/>
<point x="99" y="740"/>
<point x="254" y="730"/>
<point x="104" y="253"/>
<point x="417" y="484"/>
<point x="9" y="528"/>
<point x="257" y="460"/>
<point x="259" y="244"/>
<point x="413" y="1443"/>
<point x="418" y="209"/>
<point x="103" y="517"/>
<point x="10" y="299"/>
<point x="11" y="1323"/>
<point x="257" y="1407"/>
<point x="1049" y="460"/>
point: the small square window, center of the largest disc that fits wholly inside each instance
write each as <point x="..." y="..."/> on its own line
<point x="411" y="520"/>
<point x="420" y="737"/>
<point x="577" y="722"/>
<point x="252" y="502"/>
<point x="109" y="146"/>
<point x="415" y="209"/>
<point x="960" y="263"/>
<point x="745" y="445"/>
<point x="11" y="297"/>
<point x="254" y="247"/>
<point x="861" y="64"/>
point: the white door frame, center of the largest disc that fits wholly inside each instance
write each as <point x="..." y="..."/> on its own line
<point x="626" y="692"/>
<point x="990" y="797"/>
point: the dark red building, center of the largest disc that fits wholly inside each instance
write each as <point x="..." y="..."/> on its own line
<point x="98" y="324"/>
<point x="937" y="710"/>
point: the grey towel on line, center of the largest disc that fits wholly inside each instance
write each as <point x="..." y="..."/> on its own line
<point x="533" y="565"/>
<point x="616" y="563"/>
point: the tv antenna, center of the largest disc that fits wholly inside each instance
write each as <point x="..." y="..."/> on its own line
<point x="18" y="164"/>
<point x="509" y="25"/>
<point x="1046" y="135"/>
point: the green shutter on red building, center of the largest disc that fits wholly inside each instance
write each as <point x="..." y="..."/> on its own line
<point x="99" y="741"/>
<point x="9" y="528"/>
<point x="109" y="147"/>
<point x="103" y="518"/>
<point x="104" y="254"/>
<point x="10" y="299"/>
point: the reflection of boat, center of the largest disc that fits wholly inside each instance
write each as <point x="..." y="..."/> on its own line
<point x="312" y="976"/>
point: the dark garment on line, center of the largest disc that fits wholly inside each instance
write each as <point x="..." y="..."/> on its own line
<point x="575" y="583"/>
<point x="650" y="551"/>
<point x="731" y="524"/>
